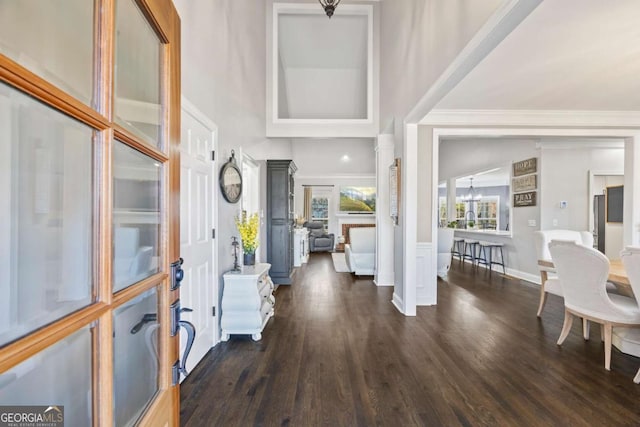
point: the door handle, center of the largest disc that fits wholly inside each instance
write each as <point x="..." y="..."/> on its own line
<point x="177" y="274"/>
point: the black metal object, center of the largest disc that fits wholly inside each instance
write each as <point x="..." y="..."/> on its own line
<point x="147" y="318"/>
<point x="175" y="317"/>
<point x="177" y="274"/>
<point x="175" y="373"/>
<point x="191" y="337"/>
<point x="329" y="6"/>
<point x="235" y="245"/>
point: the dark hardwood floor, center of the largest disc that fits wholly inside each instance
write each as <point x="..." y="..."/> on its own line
<point x="337" y="353"/>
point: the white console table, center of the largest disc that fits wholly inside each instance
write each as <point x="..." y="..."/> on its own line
<point x="247" y="301"/>
<point x="300" y="246"/>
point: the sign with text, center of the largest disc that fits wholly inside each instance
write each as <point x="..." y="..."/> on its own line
<point x="524" y="199"/>
<point x="524" y="183"/>
<point x="31" y="416"/>
<point x="525" y="167"/>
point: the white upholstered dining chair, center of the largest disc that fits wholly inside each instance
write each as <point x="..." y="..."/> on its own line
<point x="583" y="273"/>
<point x="631" y="260"/>
<point x="549" y="283"/>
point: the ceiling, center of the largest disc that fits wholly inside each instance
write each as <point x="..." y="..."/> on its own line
<point x="566" y="55"/>
<point x="323" y="66"/>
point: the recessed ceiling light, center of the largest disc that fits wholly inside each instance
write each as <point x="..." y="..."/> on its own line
<point x="345" y="158"/>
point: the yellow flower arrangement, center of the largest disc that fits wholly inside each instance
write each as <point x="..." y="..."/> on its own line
<point x="248" y="227"/>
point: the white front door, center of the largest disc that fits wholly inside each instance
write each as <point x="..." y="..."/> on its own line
<point x="199" y="289"/>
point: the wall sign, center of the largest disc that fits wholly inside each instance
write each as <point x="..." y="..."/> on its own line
<point x="524" y="183"/>
<point x="525" y="167"/>
<point x="524" y="199"/>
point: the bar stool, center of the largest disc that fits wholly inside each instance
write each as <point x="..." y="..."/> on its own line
<point x="469" y="251"/>
<point x="482" y="255"/>
<point x="458" y="247"/>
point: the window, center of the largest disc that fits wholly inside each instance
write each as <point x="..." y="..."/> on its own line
<point x="442" y="203"/>
<point x="320" y="210"/>
<point x="487" y="213"/>
<point x="461" y="209"/>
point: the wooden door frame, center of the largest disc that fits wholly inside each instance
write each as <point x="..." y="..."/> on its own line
<point x="164" y="19"/>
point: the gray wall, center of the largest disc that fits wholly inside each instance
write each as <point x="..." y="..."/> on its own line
<point x="562" y="175"/>
<point x="459" y="157"/>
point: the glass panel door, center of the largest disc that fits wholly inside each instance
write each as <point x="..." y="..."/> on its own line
<point x="136" y="216"/>
<point x="46" y="219"/>
<point x="54" y="39"/>
<point x="137" y="104"/>
<point x="89" y="224"/>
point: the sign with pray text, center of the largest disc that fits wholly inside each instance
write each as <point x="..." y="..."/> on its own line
<point x="524" y="199"/>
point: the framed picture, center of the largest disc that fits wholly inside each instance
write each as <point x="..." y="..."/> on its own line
<point x="394" y="190"/>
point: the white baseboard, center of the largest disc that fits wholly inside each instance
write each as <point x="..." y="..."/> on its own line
<point x="382" y="284"/>
<point x="397" y="302"/>
<point x="517" y="274"/>
<point x="426" y="287"/>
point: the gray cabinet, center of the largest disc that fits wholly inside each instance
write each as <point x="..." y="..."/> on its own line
<point x="280" y="219"/>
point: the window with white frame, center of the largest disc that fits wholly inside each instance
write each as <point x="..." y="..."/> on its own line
<point x="320" y="210"/>
<point x="442" y="209"/>
<point x="487" y="213"/>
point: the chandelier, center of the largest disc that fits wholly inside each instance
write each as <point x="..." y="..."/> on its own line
<point x="471" y="194"/>
<point x="329" y="6"/>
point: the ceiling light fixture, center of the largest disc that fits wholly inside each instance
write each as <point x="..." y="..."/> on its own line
<point x="471" y="195"/>
<point x="329" y="6"/>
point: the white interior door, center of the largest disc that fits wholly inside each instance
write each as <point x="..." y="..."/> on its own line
<point x="199" y="289"/>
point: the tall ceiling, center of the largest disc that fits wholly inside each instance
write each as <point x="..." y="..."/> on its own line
<point x="322" y="66"/>
<point x="566" y="55"/>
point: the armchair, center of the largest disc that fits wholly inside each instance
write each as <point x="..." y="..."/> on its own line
<point x="319" y="240"/>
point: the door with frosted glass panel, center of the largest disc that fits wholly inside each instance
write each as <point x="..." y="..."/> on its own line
<point x="89" y="226"/>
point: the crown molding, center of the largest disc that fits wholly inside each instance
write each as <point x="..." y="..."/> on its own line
<point x="337" y="176"/>
<point x="578" y="118"/>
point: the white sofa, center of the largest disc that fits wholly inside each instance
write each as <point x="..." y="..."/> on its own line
<point x="360" y="252"/>
<point x="445" y="242"/>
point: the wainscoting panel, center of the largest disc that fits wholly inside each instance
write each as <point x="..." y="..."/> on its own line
<point x="426" y="281"/>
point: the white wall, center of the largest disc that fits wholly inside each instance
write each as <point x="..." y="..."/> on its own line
<point x="334" y="156"/>
<point x="223" y="75"/>
<point x="419" y="39"/>
<point x="334" y="193"/>
<point x="565" y="177"/>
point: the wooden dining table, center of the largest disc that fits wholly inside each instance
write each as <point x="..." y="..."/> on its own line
<point x="617" y="275"/>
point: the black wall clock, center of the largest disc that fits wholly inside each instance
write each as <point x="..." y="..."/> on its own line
<point x="231" y="180"/>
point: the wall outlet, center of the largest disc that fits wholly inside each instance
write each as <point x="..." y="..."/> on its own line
<point x="532" y="223"/>
<point x="555" y="222"/>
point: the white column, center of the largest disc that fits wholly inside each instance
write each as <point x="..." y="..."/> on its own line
<point x="384" y="274"/>
<point x="409" y="213"/>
